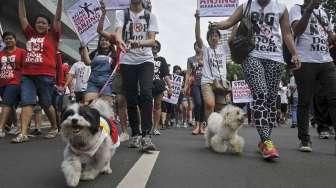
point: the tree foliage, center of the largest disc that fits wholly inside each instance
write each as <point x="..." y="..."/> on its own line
<point x="330" y="7"/>
<point x="232" y="69"/>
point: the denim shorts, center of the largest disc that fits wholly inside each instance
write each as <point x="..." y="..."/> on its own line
<point x="10" y="95"/>
<point x="95" y="88"/>
<point x="57" y="100"/>
<point x="33" y="86"/>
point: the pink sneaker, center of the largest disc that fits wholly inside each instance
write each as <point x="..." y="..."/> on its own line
<point x="268" y="150"/>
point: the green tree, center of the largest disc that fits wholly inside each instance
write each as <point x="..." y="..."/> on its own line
<point x="232" y="69"/>
<point x="330" y="7"/>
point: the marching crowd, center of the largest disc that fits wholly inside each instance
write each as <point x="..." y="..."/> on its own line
<point x="126" y="70"/>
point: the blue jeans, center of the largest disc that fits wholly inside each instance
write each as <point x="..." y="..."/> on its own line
<point x="294" y="105"/>
<point x="37" y="86"/>
<point x="10" y="95"/>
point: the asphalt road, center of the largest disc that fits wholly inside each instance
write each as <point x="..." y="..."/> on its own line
<point x="182" y="162"/>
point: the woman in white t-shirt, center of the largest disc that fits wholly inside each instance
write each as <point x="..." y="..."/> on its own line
<point x="264" y="65"/>
<point x="214" y="68"/>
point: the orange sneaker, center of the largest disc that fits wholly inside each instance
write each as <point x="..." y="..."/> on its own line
<point x="268" y="150"/>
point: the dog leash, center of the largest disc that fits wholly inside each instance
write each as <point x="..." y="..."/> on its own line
<point x="112" y="76"/>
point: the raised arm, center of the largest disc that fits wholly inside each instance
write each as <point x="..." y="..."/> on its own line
<point x="300" y="26"/>
<point x="57" y="24"/>
<point x="85" y="55"/>
<point x="23" y="15"/>
<point x="288" y="38"/>
<point x="231" y="21"/>
<point x="111" y="36"/>
<point x="198" y="30"/>
<point x="100" y="28"/>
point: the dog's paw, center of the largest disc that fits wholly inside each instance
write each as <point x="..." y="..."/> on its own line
<point x="72" y="180"/>
<point x="87" y="176"/>
<point x="107" y="170"/>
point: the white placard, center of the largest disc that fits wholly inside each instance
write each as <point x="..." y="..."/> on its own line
<point x="177" y="82"/>
<point x="116" y="4"/>
<point x="85" y="15"/>
<point x="217" y="8"/>
<point x="241" y="93"/>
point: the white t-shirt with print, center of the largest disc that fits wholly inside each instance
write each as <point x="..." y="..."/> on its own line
<point x="81" y="73"/>
<point x="138" y="55"/>
<point x="214" y="67"/>
<point x="313" y="44"/>
<point x="267" y="30"/>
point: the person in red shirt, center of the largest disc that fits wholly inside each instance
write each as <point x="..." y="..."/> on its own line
<point x="62" y="70"/>
<point x="39" y="68"/>
<point x="10" y="77"/>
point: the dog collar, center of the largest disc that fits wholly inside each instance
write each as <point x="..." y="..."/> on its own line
<point x="91" y="149"/>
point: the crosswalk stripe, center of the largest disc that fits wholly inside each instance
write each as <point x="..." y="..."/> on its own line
<point x="139" y="174"/>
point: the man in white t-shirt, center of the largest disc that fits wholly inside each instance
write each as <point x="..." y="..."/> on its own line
<point x="81" y="73"/>
<point x="313" y="32"/>
<point x="138" y="28"/>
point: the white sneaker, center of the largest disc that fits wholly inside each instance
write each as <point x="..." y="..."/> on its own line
<point x="185" y="125"/>
<point x="123" y="137"/>
<point x="156" y="132"/>
<point x="14" y="131"/>
<point x="2" y="133"/>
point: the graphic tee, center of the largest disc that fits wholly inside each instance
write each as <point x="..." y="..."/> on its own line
<point x="161" y="69"/>
<point x="10" y="67"/>
<point x="41" y="52"/>
<point x="312" y="45"/>
<point x="196" y="69"/>
<point x="140" y="32"/>
<point x="267" y="31"/>
<point x="81" y="73"/>
<point x="214" y="67"/>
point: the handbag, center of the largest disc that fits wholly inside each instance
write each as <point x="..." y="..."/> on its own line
<point x="219" y="86"/>
<point x="242" y="41"/>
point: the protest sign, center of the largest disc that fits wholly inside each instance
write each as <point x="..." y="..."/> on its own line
<point x="85" y="15"/>
<point x="116" y="4"/>
<point x="177" y="82"/>
<point x="241" y="92"/>
<point x="216" y="8"/>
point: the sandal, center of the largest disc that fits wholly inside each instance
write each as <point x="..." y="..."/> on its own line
<point x="20" y="139"/>
<point x="51" y="134"/>
<point x="196" y="131"/>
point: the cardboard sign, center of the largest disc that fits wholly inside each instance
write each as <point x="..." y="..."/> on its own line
<point x="241" y="93"/>
<point x="217" y="8"/>
<point x="117" y="4"/>
<point x="85" y="15"/>
<point x="177" y="84"/>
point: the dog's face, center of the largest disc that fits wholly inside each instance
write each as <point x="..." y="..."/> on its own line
<point x="79" y="124"/>
<point x="233" y="116"/>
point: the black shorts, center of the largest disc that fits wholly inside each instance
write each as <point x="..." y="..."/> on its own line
<point x="158" y="87"/>
<point x="283" y="107"/>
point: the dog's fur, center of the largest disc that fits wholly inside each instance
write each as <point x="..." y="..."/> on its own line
<point x="221" y="133"/>
<point x="80" y="129"/>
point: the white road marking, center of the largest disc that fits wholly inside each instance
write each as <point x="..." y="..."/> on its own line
<point x="139" y="174"/>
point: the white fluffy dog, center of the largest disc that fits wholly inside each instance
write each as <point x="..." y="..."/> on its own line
<point x="92" y="140"/>
<point x="221" y="133"/>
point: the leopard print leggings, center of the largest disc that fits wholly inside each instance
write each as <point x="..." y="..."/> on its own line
<point x="263" y="77"/>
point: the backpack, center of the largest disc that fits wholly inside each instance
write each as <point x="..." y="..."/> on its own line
<point x="287" y="55"/>
<point x="127" y="19"/>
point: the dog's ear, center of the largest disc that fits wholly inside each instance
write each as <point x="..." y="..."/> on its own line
<point x="66" y="113"/>
<point x="92" y="116"/>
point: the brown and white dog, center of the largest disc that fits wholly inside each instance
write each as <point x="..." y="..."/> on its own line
<point x="92" y="140"/>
